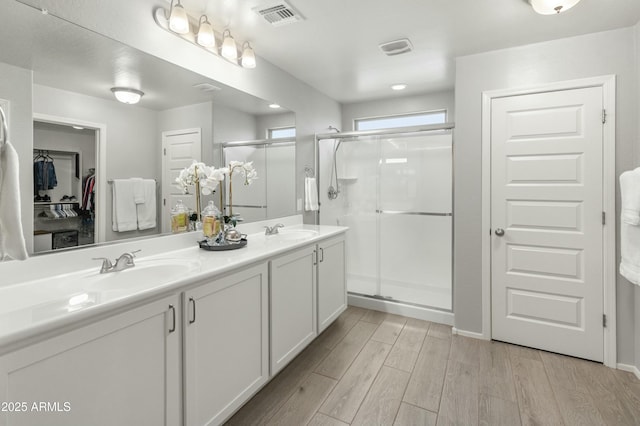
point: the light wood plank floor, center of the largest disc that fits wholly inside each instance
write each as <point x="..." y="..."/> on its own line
<point x="372" y="368"/>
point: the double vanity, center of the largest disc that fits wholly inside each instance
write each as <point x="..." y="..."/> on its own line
<point x="184" y="336"/>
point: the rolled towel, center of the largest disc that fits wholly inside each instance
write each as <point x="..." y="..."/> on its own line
<point x="630" y="194"/>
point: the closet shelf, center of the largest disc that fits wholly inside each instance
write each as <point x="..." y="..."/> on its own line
<point x="50" y="203"/>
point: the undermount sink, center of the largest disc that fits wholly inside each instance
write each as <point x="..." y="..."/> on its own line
<point x="292" y="235"/>
<point x="144" y="273"/>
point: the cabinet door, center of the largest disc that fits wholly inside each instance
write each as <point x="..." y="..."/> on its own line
<point x="293" y="305"/>
<point x="124" y="370"/>
<point x="332" y="289"/>
<point x="226" y="344"/>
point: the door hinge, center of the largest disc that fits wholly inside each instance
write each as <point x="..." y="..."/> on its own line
<point x="164" y="201"/>
<point x="604" y="218"/>
<point x="604" y="116"/>
<point x="604" y="320"/>
<point x="164" y="151"/>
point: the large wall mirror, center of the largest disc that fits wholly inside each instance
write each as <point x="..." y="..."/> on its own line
<point x="55" y="84"/>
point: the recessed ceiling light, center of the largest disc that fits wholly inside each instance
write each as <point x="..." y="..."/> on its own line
<point x="398" y="87"/>
<point x="78" y="127"/>
<point x="274" y="106"/>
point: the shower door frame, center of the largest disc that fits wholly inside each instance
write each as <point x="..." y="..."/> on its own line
<point x="427" y="312"/>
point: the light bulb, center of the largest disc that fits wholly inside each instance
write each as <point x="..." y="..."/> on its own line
<point x="178" y="20"/>
<point x="248" y="56"/>
<point x="229" y="49"/>
<point x="205" y="34"/>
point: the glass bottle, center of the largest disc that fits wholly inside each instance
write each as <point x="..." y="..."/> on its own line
<point x="210" y="220"/>
<point x="179" y="218"/>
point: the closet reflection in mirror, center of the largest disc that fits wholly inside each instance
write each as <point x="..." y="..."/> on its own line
<point x="60" y="74"/>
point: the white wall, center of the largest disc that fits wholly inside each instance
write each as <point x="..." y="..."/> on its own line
<point x="610" y="52"/>
<point x="272" y="121"/>
<point x="398" y="105"/>
<point x="15" y="87"/>
<point x="637" y="163"/>
<point x="133" y="145"/>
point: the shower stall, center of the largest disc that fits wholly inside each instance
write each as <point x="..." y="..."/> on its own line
<point x="393" y="189"/>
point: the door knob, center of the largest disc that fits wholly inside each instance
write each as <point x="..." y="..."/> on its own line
<point x="499" y="232"/>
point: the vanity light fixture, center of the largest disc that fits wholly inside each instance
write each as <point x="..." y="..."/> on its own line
<point x="205" y="35"/>
<point x="248" y="59"/>
<point x="274" y="106"/>
<point x="399" y="86"/>
<point x="229" y="50"/>
<point x="178" y="19"/>
<point x="552" y="7"/>
<point x="127" y="95"/>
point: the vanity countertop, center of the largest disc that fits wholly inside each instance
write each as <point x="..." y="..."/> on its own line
<point x="40" y="306"/>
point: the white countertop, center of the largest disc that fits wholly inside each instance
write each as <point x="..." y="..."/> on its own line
<point x="42" y="305"/>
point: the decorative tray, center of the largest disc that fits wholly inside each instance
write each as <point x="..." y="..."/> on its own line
<point x="222" y="247"/>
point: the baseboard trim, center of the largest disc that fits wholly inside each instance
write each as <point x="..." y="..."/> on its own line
<point x="398" y="308"/>
<point x="471" y="334"/>
<point x="630" y="368"/>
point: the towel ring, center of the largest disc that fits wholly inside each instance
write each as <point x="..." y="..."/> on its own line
<point x="309" y="172"/>
<point x="5" y="130"/>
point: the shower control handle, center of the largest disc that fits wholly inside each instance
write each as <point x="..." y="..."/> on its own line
<point x="499" y="232"/>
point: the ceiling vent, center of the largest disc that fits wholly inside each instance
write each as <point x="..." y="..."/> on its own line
<point x="396" y="47"/>
<point x="206" y="87"/>
<point x="278" y="13"/>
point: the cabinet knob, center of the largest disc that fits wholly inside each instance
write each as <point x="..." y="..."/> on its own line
<point x="499" y="232"/>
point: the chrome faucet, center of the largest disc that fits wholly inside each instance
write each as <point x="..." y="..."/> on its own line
<point x="125" y="261"/>
<point x="272" y="230"/>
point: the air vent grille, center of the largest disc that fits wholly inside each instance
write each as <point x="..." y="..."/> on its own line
<point x="396" y="47"/>
<point x="278" y="13"/>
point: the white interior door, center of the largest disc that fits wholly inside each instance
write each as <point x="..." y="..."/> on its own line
<point x="546" y="221"/>
<point x="179" y="148"/>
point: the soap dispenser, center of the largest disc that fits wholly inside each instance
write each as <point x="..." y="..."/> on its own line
<point x="179" y="218"/>
<point x="210" y="220"/>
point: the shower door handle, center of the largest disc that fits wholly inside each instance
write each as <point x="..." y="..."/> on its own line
<point x="499" y="232"/>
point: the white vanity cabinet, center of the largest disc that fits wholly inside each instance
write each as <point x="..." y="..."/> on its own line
<point x="332" y="283"/>
<point x="123" y="370"/>
<point x="293" y="304"/>
<point x="226" y="344"/>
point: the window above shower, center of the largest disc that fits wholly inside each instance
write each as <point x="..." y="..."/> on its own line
<point x="403" y="120"/>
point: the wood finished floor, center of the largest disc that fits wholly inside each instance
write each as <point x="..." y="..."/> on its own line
<point x="372" y="368"/>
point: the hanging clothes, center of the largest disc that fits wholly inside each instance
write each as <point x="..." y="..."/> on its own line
<point x="44" y="174"/>
<point x="88" y="193"/>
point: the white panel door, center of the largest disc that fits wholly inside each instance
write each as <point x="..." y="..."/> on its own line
<point x="546" y="221"/>
<point x="179" y="149"/>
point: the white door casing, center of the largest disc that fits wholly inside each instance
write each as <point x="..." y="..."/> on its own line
<point x="547" y="179"/>
<point x="179" y="149"/>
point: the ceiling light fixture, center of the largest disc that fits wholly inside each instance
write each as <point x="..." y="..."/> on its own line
<point x="248" y="59"/>
<point x="127" y="95"/>
<point x="229" y="50"/>
<point x="205" y="35"/>
<point x="552" y="7"/>
<point x="178" y="19"/>
<point x="400" y="86"/>
<point x="274" y="106"/>
<point x="78" y="127"/>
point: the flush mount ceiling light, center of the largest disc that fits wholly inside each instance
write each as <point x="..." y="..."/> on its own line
<point x="178" y="19"/>
<point x="179" y="23"/>
<point x="274" y="106"/>
<point x="229" y="50"/>
<point x="127" y="95"/>
<point x="248" y="59"/>
<point x="400" y="86"/>
<point x="205" y="35"/>
<point x="552" y="7"/>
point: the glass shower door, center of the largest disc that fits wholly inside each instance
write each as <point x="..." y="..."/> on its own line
<point x="415" y="221"/>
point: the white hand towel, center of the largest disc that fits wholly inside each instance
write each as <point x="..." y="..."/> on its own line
<point x="12" y="243"/>
<point x="146" y="211"/>
<point x="630" y="252"/>
<point x="630" y="194"/>
<point x="138" y="190"/>
<point x="310" y="195"/>
<point x="124" y="206"/>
